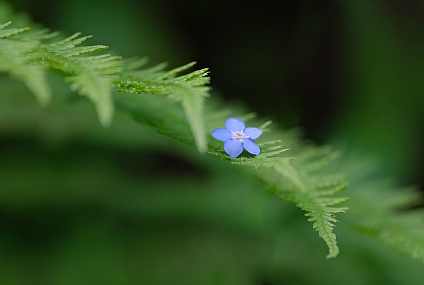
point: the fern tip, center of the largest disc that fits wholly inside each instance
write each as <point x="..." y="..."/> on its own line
<point x="5" y="24"/>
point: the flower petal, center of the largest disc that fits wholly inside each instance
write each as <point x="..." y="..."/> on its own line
<point x="253" y="133"/>
<point x="233" y="148"/>
<point x="234" y="124"/>
<point x="251" y="146"/>
<point x="221" y="134"/>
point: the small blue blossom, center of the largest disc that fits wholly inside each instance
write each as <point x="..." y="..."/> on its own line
<point x="236" y="136"/>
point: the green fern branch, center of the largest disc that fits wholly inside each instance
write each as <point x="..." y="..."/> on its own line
<point x="312" y="195"/>
<point x="188" y="89"/>
<point x="401" y="232"/>
<point x="377" y="211"/>
<point x="307" y="181"/>
<point x="298" y="184"/>
<point x="26" y="57"/>
<point x="23" y="55"/>
<point x="6" y="33"/>
<point x="91" y="76"/>
<point x="18" y="59"/>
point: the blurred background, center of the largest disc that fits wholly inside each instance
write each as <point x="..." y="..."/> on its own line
<point x="84" y="205"/>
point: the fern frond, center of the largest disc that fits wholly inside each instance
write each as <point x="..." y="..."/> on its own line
<point x="40" y="35"/>
<point x="315" y="197"/>
<point x="23" y="55"/>
<point x="18" y="58"/>
<point x="318" y="203"/>
<point x="315" y="158"/>
<point x="68" y="47"/>
<point x="132" y="69"/>
<point x="188" y="89"/>
<point x="401" y="232"/>
<point x="11" y="32"/>
<point x="173" y="72"/>
<point x="95" y="76"/>
<point x="91" y="76"/>
<point x="378" y="209"/>
<point x="296" y="183"/>
<point x="307" y="181"/>
<point x="4" y="25"/>
<point x="192" y="99"/>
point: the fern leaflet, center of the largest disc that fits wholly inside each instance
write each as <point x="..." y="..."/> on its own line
<point x="91" y="76"/>
<point x="188" y="89"/>
<point x="18" y="58"/>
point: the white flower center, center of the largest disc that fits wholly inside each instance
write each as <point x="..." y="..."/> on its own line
<point x="240" y="136"/>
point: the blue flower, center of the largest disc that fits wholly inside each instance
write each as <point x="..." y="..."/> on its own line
<point x="236" y="136"/>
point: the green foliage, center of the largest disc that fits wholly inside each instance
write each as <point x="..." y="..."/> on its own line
<point x="25" y="55"/>
<point x="310" y="181"/>
<point x="17" y="57"/>
<point x="189" y="89"/>
<point x="379" y="209"/>
<point x="298" y="185"/>
<point x="80" y="189"/>
<point x="91" y="76"/>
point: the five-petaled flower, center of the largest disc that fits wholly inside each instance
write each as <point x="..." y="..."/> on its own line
<point x="236" y="136"/>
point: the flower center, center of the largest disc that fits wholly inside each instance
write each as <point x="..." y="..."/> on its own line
<point x="240" y="136"/>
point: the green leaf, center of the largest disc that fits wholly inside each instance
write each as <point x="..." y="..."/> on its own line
<point x="17" y="59"/>
<point x="313" y="196"/>
<point x="188" y="89"/>
<point x="313" y="193"/>
<point x="192" y="100"/>
<point x="91" y="76"/>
